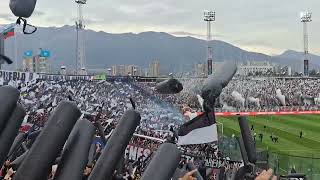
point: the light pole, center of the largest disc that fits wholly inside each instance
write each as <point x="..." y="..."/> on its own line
<point x="305" y="18"/>
<point x="209" y="16"/>
<point x="80" y="44"/>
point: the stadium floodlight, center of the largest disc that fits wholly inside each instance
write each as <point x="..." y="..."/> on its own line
<point x="209" y="15"/>
<point x="306" y="16"/>
<point x="81" y="1"/>
<point x="80" y="40"/>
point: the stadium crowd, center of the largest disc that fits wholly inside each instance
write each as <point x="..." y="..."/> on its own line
<point x="160" y="114"/>
<point x="103" y="101"/>
<point x="252" y="94"/>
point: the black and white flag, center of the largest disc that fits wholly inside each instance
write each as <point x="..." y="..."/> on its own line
<point x="200" y="130"/>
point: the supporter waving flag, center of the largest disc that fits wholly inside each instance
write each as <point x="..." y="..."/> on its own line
<point x="200" y="130"/>
<point x="7" y="31"/>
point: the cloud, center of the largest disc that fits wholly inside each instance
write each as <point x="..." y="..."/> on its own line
<point x="253" y="42"/>
<point x="91" y="21"/>
<point x="7" y="17"/>
<point x="38" y="13"/>
<point x="200" y="36"/>
<point x="250" y="23"/>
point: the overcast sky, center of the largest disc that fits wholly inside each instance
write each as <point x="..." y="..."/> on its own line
<point x="268" y="26"/>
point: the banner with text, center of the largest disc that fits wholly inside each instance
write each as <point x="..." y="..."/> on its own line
<point x="134" y="152"/>
<point x="18" y="76"/>
<point x="6" y="76"/>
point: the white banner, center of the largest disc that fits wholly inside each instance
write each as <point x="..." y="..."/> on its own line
<point x="7" y="76"/>
<point x="18" y="76"/>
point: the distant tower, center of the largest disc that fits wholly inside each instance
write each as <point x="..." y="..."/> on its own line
<point x="305" y="18"/>
<point x="63" y="70"/>
<point x="209" y="16"/>
<point x="80" y="44"/>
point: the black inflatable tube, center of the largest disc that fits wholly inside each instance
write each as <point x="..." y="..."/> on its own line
<point x="170" y="86"/>
<point x="243" y="151"/>
<point x="24" y="147"/>
<point x="17" y="143"/>
<point x="17" y="162"/>
<point x="10" y="131"/>
<point x="247" y="139"/>
<point x="116" y="146"/>
<point x="120" y="166"/>
<point x="48" y="145"/>
<point x="91" y="154"/>
<point x="75" y="155"/>
<point x="8" y="98"/>
<point x="163" y="164"/>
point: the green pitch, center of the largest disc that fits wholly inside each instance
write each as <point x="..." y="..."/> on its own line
<point x="291" y="150"/>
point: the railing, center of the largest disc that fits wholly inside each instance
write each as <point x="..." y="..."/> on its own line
<point x="282" y="163"/>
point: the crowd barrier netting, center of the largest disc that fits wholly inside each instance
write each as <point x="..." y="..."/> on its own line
<point x="280" y="162"/>
<point x="284" y="162"/>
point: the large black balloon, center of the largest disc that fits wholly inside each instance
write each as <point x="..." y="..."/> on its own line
<point x="213" y="85"/>
<point x="115" y="146"/>
<point x="8" y="98"/>
<point x="37" y="164"/>
<point x="22" y="8"/>
<point x="75" y="154"/>
<point x="163" y="164"/>
<point x="170" y="86"/>
<point x="8" y="134"/>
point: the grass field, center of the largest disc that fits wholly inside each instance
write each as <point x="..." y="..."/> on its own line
<point x="290" y="150"/>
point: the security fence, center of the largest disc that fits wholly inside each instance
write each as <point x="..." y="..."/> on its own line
<point x="282" y="163"/>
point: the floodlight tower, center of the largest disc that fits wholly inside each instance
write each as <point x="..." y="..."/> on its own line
<point x="209" y="17"/>
<point x="80" y="44"/>
<point x="305" y="18"/>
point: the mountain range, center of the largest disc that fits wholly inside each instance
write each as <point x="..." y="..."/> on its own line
<point x="175" y="54"/>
